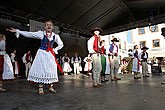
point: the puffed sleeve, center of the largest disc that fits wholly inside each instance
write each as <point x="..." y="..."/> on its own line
<point x="90" y="45"/>
<point x="59" y="43"/>
<point x="35" y="35"/>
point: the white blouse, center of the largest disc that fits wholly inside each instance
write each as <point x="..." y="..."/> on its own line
<point x="40" y="35"/>
<point x="2" y="47"/>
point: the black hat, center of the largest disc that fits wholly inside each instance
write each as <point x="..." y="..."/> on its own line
<point x="144" y="48"/>
<point x="115" y="39"/>
<point x="97" y="29"/>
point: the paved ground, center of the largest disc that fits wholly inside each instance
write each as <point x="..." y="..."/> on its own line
<point x="77" y="93"/>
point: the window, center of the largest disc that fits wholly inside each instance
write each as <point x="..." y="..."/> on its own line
<point x="156" y="43"/>
<point x="142" y="44"/>
<point x="141" y="31"/>
<point x="154" y="28"/>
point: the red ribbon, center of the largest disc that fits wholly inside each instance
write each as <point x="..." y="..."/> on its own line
<point x="88" y="65"/>
<point x="51" y="50"/>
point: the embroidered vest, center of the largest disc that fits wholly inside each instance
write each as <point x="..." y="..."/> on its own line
<point x="45" y="43"/>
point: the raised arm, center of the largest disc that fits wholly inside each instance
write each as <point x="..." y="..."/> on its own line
<point x="36" y="35"/>
<point x="59" y="43"/>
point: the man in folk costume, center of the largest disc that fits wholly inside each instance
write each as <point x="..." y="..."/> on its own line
<point x="66" y="65"/>
<point x="114" y="60"/>
<point x="44" y="67"/>
<point x="144" y="58"/>
<point x="136" y="63"/>
<point x="27" y="60"/>
<point x="76" y="61"/>
<point x="15" y="63"/>
<point x="6" y="68"/>
<point x="163" y="34"/>
<point x="94" y="49"/>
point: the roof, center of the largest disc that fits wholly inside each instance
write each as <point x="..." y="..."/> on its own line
<point x="83" y="15"/>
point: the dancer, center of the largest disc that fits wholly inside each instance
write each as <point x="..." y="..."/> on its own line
<point x="27" y="60"/>
<point x="103" y="60"/>
<point x="88" y="64"/>
<point x="163" y="34"/>
<point x="136" y="63"/>
<point x="76" y="61"/>
<point x="114" y="60"/>
<point x="66" y="65"/>
<point x="94" y="49"/>
<point x="6" y="68"/>
<point x="15" y="63"/>
<point x="44" y="67"/>
<point x="124" y="65"/>
<point x="144" y="58"/>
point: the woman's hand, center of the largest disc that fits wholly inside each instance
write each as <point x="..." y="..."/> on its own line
<point x="11" y="29"/>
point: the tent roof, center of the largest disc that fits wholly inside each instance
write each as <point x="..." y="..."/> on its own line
<point x="110" y="15"/>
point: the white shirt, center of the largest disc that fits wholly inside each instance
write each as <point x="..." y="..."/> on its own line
<point x="114" y="49"/>
<point x="24" y="58"/>
<point x="40" y="35"/>
<point x="2" y="47"/>
<point x="90" y="44"/>
<point x="63" y="59"/>
<point x="12" y="57"/>
<point x="145" y="55"/>
<point x="76" y="60"/>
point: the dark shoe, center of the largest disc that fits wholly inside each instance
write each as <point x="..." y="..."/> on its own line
<point x="52" y="91"/>
<point x="102" y="80"/>
<point x="117" y="78"/>
<point x="106" y="80"/>
<point x="136" y="78"/>
<point x="163" y="83"/>
<point x="100" y="84"/>
<point x="147" y="76"/>
<point x="113" y="79"/>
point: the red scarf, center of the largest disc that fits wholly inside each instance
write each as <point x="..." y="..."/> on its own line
<point x="95" y="44"/>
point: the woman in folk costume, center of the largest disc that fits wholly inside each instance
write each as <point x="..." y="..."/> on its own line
<point x="66" y="65"/>
<point x="44" y="67"/>
<point x="108" y="64"/>
<point x="114" y="60"/>
<point x="88" y="64"/>
<point x="103" y="60"/>
<point x="15" y="63"/>
<point x="94" y="49"/>
<point x="6" y="68"/>
<point x="144" y="59"/>
<point x="136" y="63"/>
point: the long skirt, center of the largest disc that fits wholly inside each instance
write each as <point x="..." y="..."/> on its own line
<point x="6" y="68"/>
<point x="66" y="67"/>
<point x="136" y="65"/>
<point x="44" y="68"/>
